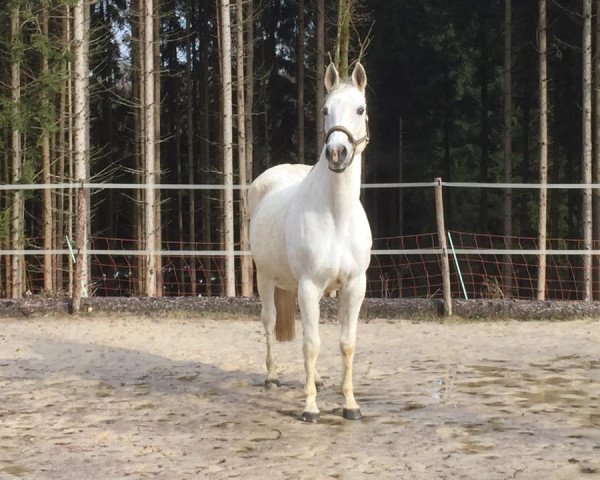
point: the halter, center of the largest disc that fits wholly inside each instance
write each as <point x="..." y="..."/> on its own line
<point x="353" y="141"/>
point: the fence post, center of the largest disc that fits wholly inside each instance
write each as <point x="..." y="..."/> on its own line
<point x="439" y="215"/>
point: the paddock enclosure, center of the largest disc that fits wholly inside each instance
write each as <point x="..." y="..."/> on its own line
<point x="169" y="398"/>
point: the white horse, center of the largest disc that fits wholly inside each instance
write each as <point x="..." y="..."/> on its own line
<point x="309" y="234"/>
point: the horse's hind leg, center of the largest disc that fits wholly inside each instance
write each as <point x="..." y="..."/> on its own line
<point x="351" y="298"/>
<point x="266" y="290"/>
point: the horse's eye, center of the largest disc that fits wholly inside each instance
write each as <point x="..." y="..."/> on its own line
<point x="360" y="110"/>
<point x="325" y="111"/>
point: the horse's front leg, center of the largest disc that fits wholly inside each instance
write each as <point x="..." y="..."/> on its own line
<point x="308" y="301"/>
<point x="351" y="298"/>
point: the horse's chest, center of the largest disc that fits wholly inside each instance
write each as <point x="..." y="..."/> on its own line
<point x="330" y="255"/>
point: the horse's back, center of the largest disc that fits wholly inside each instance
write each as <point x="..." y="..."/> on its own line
<point x="275" y="178"/>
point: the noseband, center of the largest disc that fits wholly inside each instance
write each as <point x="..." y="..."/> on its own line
<point x="353" y="141"/>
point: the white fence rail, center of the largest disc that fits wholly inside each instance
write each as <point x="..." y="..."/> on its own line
<point x="400" y="253"/>
<point x="192" y="253"/>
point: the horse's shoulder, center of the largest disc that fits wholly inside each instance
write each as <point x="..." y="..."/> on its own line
<point x="276" y="177"/>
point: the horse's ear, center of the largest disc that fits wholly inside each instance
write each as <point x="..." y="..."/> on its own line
<point x="359" y="77"/>
<point x="332" y="77"/>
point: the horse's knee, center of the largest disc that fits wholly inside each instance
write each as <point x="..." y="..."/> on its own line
<point x="311" y="347"/>
<point x="347" y="349"/>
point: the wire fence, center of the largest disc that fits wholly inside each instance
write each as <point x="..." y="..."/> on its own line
<point x="414" y="273"/>
<point x="401" y="266"/>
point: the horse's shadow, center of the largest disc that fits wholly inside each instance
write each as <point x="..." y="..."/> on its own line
<point x="124" y="373"/>
<point x="105" y="373"/>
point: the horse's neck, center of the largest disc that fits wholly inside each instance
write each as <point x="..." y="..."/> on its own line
<point x="340" y="192"/>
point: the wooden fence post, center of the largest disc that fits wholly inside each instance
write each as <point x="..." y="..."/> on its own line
<point x="439" y="215"/>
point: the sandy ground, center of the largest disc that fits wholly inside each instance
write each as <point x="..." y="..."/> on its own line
<point x="184" y="399"/>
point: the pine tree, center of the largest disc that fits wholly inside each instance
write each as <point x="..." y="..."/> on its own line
<point x="18" y="221"/>
<point x="244" y="216"/>
<point x="300" y="81"/>
<point x="80" y="145"/>
<point x="227" y="132"/>
<point x="320" y="66"/>
<point x="48" y="220"/>
<point x="149" y="117"/>
<point x="508" y="271"/>
<point x="543" y="140"/>
<point x="587" y="148"/>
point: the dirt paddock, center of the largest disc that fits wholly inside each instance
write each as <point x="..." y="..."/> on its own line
<point x="107" y="398"/>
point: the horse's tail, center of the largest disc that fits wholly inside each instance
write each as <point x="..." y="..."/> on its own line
<point x="285" y="305"/>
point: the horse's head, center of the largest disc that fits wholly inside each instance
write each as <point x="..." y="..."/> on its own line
<point x="346" y="121"/>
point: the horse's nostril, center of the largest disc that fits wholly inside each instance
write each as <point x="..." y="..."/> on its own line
<point x="343" y="153"/>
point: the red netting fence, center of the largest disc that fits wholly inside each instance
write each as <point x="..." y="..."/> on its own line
<point x="413" y="273"/>
<point x="484" y="274"/>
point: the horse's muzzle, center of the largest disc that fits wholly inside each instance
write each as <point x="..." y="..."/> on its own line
<point x="337" y="157"/>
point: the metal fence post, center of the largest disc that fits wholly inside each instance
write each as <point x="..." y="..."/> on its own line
<point x="439" y="215"/>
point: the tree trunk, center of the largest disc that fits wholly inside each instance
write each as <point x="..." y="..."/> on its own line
<point x="190" y="145"/>
<point x="507" y="262"/>
<point x="81" y="153"/>
<point x="47" y="219"/>
<point x="320" y="87"/>
<point x="543" y="206"/>
<point x="156" y="107"/>
<point x="227" y="127"/>
<point x="245" y="261"/>
<point x="300" y="79"/>
<point x="587" y="148"/>
<point x="343" y="37"/>
<point x="176" y="129"/>
<point x="205" y="153"/>
<point x="70" y="149"/>
<point x="137" y="54"/>
<point x="220" y="261"/>
<point x="176" y="115"/>
<point x="5" y="202"/>
<point x="447" y="167"/>
<point x="249" y="96"/>
<point x="62" y="150"/>
<point x="265" y="103"/>
<point x="149" y="147"/>
<point x="87" y="273"/>
<point x="483" y="116"/>
<point x="241" y="132"/>
<point x="17" y="223"/>
<point x="248" y="120"/>
<point x="596" y="193"/>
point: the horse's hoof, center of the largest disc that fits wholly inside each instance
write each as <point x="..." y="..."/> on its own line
<point x="352" y="414"/>
<point x="270" y="383"/>
<point x="320" y="386"/>
<point x="310" y="417"/>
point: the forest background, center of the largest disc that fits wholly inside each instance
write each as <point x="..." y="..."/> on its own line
<point x="455" y="91"/>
